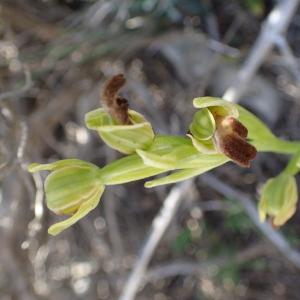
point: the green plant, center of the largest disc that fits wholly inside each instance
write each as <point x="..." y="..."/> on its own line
<point x="220" y="132"/>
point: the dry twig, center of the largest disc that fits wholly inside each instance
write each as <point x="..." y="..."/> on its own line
<point x="275" y="25"/>
<point x="189" y="268"/>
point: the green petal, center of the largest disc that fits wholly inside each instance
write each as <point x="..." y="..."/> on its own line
<point x="83" y="210"/>
<point x="222" y="106"/>
<point x="203" y="125"/>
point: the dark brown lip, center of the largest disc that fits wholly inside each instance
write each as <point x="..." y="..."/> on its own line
<point x="116" y="106"/>
<point x="230" y="139"/>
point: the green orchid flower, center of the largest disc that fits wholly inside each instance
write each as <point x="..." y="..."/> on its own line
<point x="124" y="138"/>
<point x="216" y="129"/>
<point x="257" y="132"/>
<point x="73" y="188"/>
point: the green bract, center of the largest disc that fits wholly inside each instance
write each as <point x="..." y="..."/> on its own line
<point x="124" y="138"/>
<point x="73" y="188"/>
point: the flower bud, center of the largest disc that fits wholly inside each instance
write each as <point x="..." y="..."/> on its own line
<point x="73" y="188"/>
<point x="124" y="138"/>
<point x="278" y="199"/>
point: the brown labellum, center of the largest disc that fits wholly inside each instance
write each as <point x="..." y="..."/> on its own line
<point x="116" y="106"/>
<point x="230" y="139"/>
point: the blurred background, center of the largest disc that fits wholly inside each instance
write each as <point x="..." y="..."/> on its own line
<point x="54" y="58"/>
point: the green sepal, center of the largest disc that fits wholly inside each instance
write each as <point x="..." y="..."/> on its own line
<point x="217" y="105"/>
<point x="124" y="138"/>
<point x="67" y="187"/>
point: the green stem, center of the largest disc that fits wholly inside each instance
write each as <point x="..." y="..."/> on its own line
<point x="293" y="166"/>
<point x="280" y="146"/>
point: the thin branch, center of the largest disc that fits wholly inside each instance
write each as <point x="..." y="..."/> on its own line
<point x="275" y="237"/>
<point x="194" y="267"/>
<point x="288" y="56"/>
<point x="10" y="264"/>
<point x="159" y="227"/>
<point x="275" y="25"/>
<point x="23" y="140"/>
<point x="20" y="91"/>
